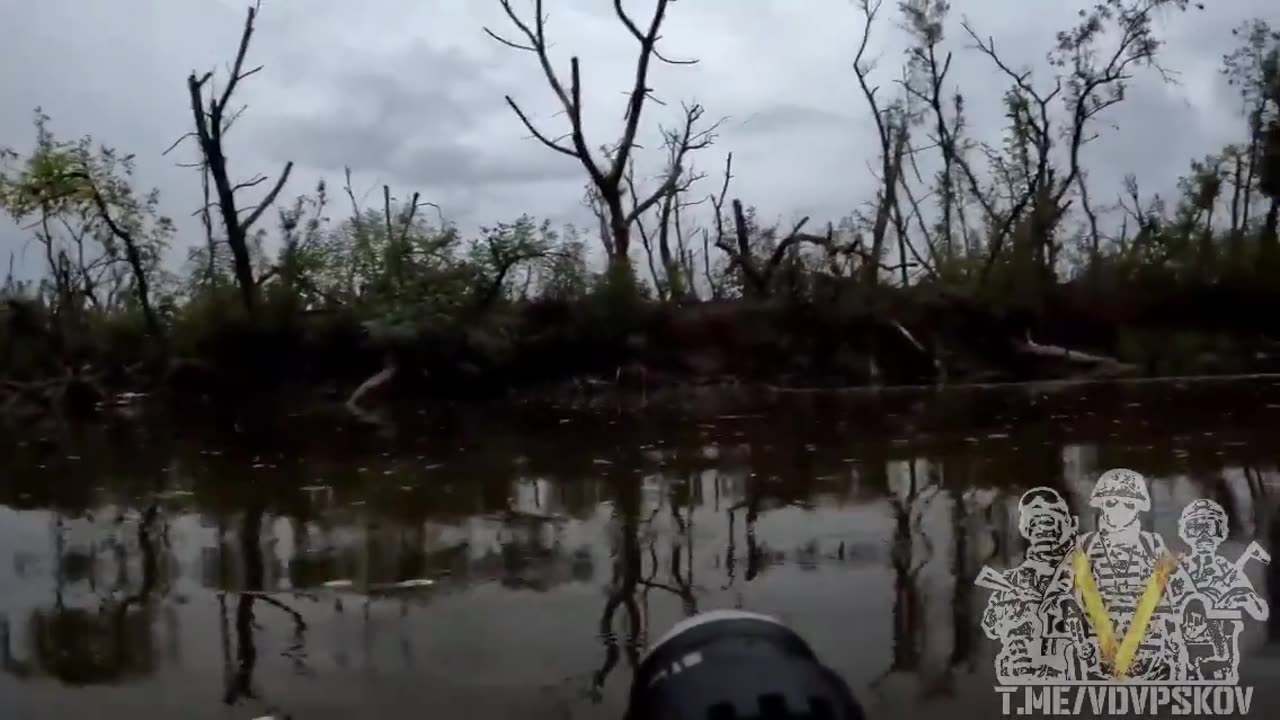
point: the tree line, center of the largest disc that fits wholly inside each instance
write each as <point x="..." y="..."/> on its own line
<point x="1005" y="221"/>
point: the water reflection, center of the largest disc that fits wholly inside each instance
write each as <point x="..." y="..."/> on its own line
<point x="567" y="549"/>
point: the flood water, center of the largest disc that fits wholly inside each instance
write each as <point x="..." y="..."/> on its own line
<point x="146" y="573"/>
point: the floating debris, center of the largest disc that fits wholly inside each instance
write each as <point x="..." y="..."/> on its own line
<point x="174" y="494"/>
<point x="406" y="584"/>
<point x="433" y="466"/>
<point x="73" y="457"/>
<point x="314" y="488"/>
<point x="601" y="461"/>
<point x="336" y="584"/>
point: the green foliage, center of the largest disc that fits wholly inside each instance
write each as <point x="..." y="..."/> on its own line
<point x="71" y="193"/>
<point x="564" y="273"/>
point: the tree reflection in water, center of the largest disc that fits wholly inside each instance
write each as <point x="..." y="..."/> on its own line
<point x="680" y="496"/>
<point x="240" y="683"/>
<point x="621" y="592"/>
<point x="111" y="643"/>
<point x="935" y="503"/>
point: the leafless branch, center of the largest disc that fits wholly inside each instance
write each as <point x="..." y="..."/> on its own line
<point x="608" y="182"/>
<point x="270" y="197"/>
<point x="210" y="126"/>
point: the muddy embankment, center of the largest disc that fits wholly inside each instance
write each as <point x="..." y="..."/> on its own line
<point x="567" y="355"/>
<point x="549" y="354"/>
<point x="930" y="338"/>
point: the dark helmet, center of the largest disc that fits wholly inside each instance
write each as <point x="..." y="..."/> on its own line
<point x="737" y="665"/>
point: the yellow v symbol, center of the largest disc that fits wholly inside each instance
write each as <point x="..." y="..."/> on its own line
<point x="1120" y="657"/>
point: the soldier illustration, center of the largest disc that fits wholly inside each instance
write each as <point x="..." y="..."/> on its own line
<point x="1035" y="609"/>
<point x="1123" y="558"/>
<point x="1203" y="527"/>
<point x="1209" y="650"/>
<point x="1032" y="611"/>
<point x="1212" y="617"/>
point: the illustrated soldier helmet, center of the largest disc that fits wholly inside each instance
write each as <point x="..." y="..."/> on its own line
<point x="1039" y="502"/>
<point x="1043" y="496"/>
<point x="1204" y="508"/>
<point x="1123" y="484"/>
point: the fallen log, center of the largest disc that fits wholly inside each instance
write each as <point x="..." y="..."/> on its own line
<point x="1077" y="357"/>
<point x="379" y="382"/>
<point x="908" y="336"/>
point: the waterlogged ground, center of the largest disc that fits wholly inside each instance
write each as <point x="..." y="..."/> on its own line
<point x="146" y="573"/>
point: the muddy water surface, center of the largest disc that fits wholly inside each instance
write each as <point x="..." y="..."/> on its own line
<point x="490" y="571"/>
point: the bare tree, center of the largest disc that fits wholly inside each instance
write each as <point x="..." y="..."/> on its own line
<point x="608" y="177"/>
<point x="891" y="130"/>
<point x="717" y="208"/>
<point x="679" y="144"/>
<point x="687" y="256"/>
<point x="757" y="275"/>
<point x="674" y="282"/>
<point x="1093" y="82"/>
<point x="740" y="241"/>
<point x="211" y="124"/>
<point x="646" y="241"/>
<point x="925" y="21"/>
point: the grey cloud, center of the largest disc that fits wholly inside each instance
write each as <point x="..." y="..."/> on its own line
<point x="441" y="164"/>
<point x="785" y="117"/>
<point x="411" y="93"/>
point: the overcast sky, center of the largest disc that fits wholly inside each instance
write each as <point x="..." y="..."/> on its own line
<point x="410" y="93"/>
